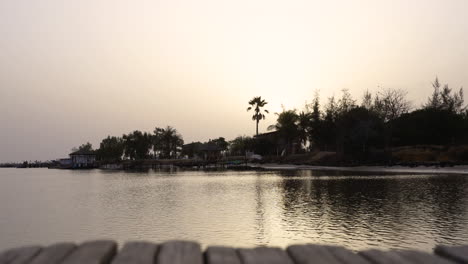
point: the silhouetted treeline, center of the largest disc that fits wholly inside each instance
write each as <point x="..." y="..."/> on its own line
<point x="27" y="164"/>
<point x="370" y="127"/>
<point x="379" y="122"/>
<point x="137" y="145"/>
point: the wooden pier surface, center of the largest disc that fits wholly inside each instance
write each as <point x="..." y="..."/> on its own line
<point x="184" y="252"/>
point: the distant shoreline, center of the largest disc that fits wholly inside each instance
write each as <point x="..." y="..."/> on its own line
<point x="459" y="169"/>
<point x="421" y="169"/>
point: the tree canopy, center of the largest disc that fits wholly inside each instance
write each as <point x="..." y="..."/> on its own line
<point x="84" y="147"/>
<point x="111" y="149"/>
<point x="167" y="142"/>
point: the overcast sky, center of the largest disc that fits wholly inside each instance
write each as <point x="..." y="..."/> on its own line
<point x="77" y="71"/>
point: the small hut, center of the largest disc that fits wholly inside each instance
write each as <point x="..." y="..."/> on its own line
<point x="83" y="159"/>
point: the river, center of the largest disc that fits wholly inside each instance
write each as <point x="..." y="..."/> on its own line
<point x="234" y="208"/>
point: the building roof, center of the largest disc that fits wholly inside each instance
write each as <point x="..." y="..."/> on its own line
<point x="83" y="152"/>
<point x="210" y="147"/>
<point x="191" y="144"/>
<point x="268" y="134"/>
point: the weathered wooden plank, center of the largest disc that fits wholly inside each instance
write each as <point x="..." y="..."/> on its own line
<point x="456" y="253"/>
<point x="7" y="256"/>
<point x="179" y="252"/>
<point x="264" y="255"/>
<point x="311" y="254"/>
<point x="221" y="255"/>
<point x="346" y="256"/>
<point x="137" y="253"/>
<point x="421" y="257"/>
<point x="53" y="254"/>
<point x="384" y="257"/>
<point x="10" y="255"/>
<point x="92" y="252"/>
<point x="19" y="255"/>
<point x="183" y="252"/>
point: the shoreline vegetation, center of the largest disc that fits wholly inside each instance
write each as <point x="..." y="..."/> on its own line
<point x="383" y="129"/>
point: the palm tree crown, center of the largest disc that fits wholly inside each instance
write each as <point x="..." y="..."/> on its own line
<point x="256" y="104"/>
<point x="167" y="141"/>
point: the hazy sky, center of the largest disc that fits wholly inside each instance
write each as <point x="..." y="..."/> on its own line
<point x="77" y="71"/>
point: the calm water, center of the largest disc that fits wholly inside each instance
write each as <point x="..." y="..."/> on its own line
<point x="233" y="208"/>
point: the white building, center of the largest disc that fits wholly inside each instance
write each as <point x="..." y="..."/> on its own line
<point x="83" y="159"/>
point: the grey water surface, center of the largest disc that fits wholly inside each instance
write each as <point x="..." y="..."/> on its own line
<point x="234" y="208"/>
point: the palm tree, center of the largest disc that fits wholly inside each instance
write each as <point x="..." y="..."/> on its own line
<point x="256" y="104"/>
<point x="287" y="127"/>
<point x="304" y="124"/>
<point x="137" y="145"/>
<point x="167" y="141"/>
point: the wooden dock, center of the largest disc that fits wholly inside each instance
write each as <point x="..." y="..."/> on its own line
<point x="185" y="252"/>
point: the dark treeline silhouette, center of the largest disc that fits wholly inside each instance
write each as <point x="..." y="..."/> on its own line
<point x="369" y="129"/>
<point x="384" y="120"/>
<point x="364" y="131"/>
<point x="26" y="164"/>
<point x="162" y="143"/>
